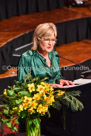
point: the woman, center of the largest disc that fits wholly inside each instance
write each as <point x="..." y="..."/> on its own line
<point x="42" y="60"/>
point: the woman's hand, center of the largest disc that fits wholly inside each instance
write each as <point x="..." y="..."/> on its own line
<point x="65" y="82"/>
<point x="55" y="85"/>
<point x="61" y="83"/>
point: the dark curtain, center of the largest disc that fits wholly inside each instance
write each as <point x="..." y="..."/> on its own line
<point x="10" y="8"/>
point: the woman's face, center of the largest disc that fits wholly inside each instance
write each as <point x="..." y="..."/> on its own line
<point x="46" y="43"/>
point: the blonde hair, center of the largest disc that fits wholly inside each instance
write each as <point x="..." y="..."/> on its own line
<point x="45" y="29"/>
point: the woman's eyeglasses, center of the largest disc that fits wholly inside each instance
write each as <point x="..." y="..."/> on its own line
<point x="47" y="40"/>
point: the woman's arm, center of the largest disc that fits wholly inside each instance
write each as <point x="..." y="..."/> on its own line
<point x="61" y="79"/>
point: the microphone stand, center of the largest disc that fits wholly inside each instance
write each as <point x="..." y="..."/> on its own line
<point x="68" y="60"/>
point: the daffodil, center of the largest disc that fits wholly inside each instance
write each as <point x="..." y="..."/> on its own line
<point x="40" y="88"/>
<point x="5" y="92"/>
<point x="49" y="100"/>
<point x="52" y="99"/>
<point x="45" y="109"/>
<point x="20" y="107"/>
<point x="15" y="108"/>
<point x="36" y="96"/>
<point x="31" y="110"/>
<point x="61" y="93"/>
<point x="33" y="104"/>
<point x="42" y="109"/>
<point x="45" y="84"/>
<point x="25" y="106"/>
<point x="31" y="87"/>
<point x="26" y="99"/>
<point x="51" y="88"/>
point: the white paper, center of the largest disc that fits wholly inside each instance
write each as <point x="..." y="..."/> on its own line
<point x="82" y="81"/>
<point x="79" y="82"/>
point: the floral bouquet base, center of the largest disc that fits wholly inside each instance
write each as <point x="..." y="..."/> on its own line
<point x="33" y="127"/>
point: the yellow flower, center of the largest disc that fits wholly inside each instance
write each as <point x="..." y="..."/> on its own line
<point x="26" y="99"/>
<point x="45" y="84"/>
<point x="45" y="109"/>
<point x="39" y="109"/>
<point x="46" y="90"/>
<point x="42" y="109"/>
<point x="40" y="94"/>
<point x="20" y="107"/>
<point x="40" y="88"/>
<point x="33" y="104"/>
<point x="61" y="93"/>
<point x="49" y="100"/>
<point x="15" y="108"/>
<point x="51" y="88"/>
<point x="31" y="87"/>
<point x="52" y="99"/>
<point x="45" y="98"/>
<point x="25" y="106"/>
<point x="31" y="110"/>
<point x="36" y="96"/>
<point x="5" y="92"/>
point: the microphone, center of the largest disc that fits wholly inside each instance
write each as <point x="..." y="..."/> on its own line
<point x="85" y="74"/>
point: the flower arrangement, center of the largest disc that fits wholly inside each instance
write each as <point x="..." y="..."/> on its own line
<point x="32" y="98"/>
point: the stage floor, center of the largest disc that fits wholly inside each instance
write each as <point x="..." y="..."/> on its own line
<point x="18" y="25"/>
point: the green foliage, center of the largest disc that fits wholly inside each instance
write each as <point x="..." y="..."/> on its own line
<point x="48" y="113"/>
<point x="23" y="114"/>
<point x="4" y="120"/>
<point x="9" y="124"/>
<point x="10" y="93"/>
<point x="70" y="100"/>
<point x="73" y="102"/>
<point x="23" y="93"/>
<point x="57" y="105"/>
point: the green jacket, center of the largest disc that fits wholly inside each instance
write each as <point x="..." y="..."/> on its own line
<point x="32" y="62"/>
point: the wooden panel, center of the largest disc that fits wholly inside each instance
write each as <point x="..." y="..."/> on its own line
<point x="15" y="26"/>
<point x="75" y="51"/>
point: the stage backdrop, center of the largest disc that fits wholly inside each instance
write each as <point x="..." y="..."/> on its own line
<point x="10" y="8"/>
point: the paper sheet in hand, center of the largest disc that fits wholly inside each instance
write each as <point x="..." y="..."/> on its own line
<point x="79" y="82"/>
